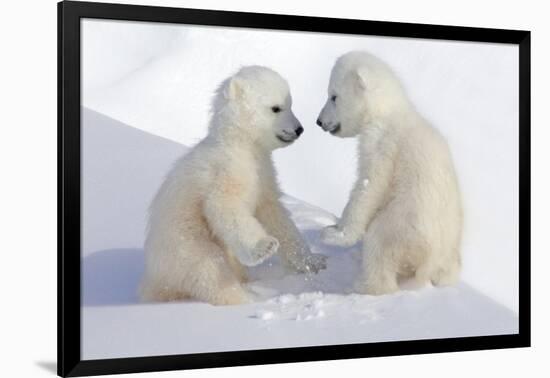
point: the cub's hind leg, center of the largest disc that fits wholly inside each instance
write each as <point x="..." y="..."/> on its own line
<point x="379" y="271"/>
<point x="198" y="270"/>
<point x="447" y="275"/>
<point x="214" y="277"/>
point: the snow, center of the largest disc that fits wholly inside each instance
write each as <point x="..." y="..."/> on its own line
<point x="159" y="78"/>
<point x="265" y="315"/>
<point x="121" y="169"/>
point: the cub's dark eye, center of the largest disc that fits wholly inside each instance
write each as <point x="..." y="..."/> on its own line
<point x="333" y="98"/>
<point x="276" y="109"/>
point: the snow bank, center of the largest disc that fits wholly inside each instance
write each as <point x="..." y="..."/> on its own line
<point x="122" y="168"/>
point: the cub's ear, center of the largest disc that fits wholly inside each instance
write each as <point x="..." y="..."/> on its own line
<point x="360" y="76"/>
<point x="235" y="88"/>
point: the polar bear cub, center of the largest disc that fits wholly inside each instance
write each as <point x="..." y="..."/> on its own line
<point x="406" y="204"/>
<point x="218" y="209"/>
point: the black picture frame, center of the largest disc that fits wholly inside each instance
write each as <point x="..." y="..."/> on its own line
<point x="69" y="273"/>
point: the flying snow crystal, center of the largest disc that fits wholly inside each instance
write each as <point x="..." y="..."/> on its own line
<point x="265" y="315"/>
<point x="285" y="299"/>
<point x="310" y="316"/>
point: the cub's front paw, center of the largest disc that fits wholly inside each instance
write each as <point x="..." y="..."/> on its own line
<point x="332" y="235"/>
<point x="263" y="250"/>
<point x="311" y="263"/>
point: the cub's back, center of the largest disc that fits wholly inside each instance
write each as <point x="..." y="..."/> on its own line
<point x="428" y="170"/>
<point x="186" y="182"/>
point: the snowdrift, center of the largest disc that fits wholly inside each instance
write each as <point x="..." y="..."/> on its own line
<point x="122" y="168"/>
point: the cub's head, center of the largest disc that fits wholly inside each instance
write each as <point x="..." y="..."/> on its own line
<point x="362" y="88"/>
<point x="256" y="104"/>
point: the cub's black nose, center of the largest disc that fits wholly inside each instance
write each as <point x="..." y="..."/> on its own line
<point x="299" y="130"/>
<point x="319" y="123"/>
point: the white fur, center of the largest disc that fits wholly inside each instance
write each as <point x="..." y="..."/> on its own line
<point x="218" y="209"/>
<point x="406" y="203"/>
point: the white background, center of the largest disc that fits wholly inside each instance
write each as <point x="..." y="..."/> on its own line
<point x="160" y="79"/>
<point x="29" y="208"/>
